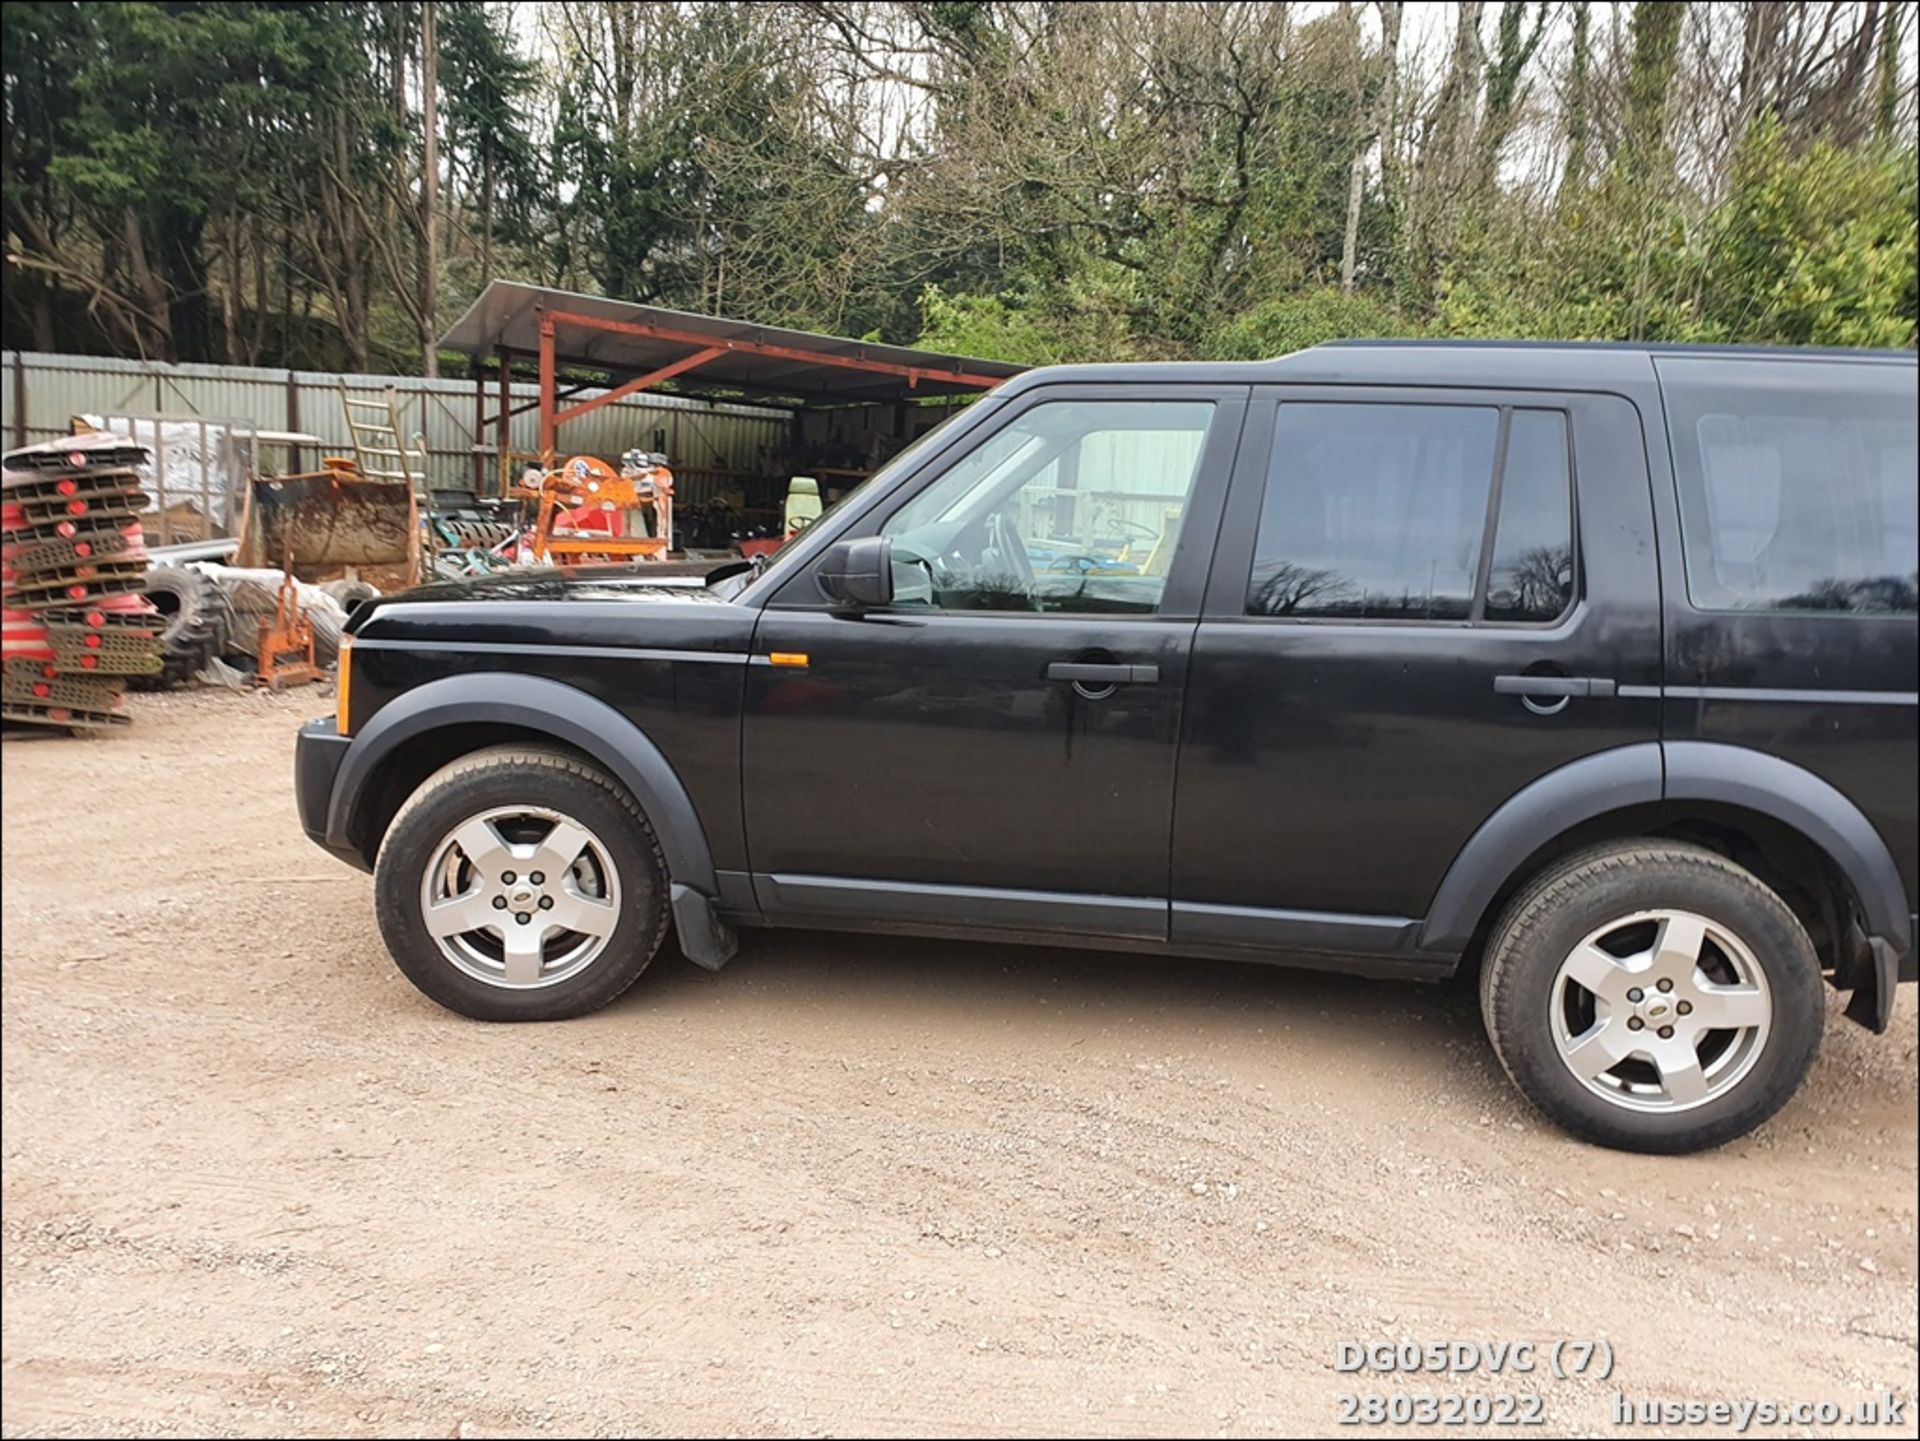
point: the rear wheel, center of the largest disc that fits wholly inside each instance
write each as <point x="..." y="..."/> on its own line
<point x="1653" y="997"/>
<point x="521" y="884"/>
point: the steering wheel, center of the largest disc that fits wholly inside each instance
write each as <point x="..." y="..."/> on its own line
<point x="1077" y="563"/>
<point x="1122" y="525"/>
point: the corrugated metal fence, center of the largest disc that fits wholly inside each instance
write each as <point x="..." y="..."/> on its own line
<point x="712" y="447"/>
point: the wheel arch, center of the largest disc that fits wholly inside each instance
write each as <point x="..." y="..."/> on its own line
<point x="1702" y="771"/>
<point x="424" y="728"/>
<point x="1781" y="814"/>
<point x="1527" y="825"/>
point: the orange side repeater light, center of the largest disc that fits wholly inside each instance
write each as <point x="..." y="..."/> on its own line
<point x="343" y="677"/>
<point x="788" y="657"/>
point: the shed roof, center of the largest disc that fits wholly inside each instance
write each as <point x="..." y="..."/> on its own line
<point x="626" y="339"/>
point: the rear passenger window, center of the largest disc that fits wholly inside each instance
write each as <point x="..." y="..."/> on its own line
<point x="1532" y="574"/>
<point x="1797" y="484"/>
<point x="1383" y="512"/>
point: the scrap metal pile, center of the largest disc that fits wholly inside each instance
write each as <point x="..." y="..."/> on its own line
<point x="582" y="510"/>
<point x="472" y="535"/>
<point x="73" y="566"/>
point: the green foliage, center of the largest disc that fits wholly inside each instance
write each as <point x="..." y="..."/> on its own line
<point x="1280" y="327"/>
<point x="1656" y="49"/>
<point x="1814" y="247"/>
<point x="1817" y="248"/>
<point x="489" y="89"/>
<point x="1083" y="320"/>
<point x="1077" y="182"/>
<point x="987" y="326"/>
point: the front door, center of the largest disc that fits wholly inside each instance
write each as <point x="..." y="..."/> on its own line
<point x="1424" y="600"/>
<point x="996" y="749"/>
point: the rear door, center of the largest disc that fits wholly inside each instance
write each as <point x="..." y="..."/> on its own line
<point x="1423" y="600"/>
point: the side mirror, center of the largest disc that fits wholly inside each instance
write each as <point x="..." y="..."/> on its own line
<point x="858" y="574"/>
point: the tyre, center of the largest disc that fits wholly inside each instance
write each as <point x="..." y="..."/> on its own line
<point x="521" y="884"/>
<point x="350" y="593"/>
<point x="194" y="628"/>
<point x="1652" y="997"/>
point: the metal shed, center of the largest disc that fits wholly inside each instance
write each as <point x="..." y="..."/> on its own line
<point x="628" y="348"/>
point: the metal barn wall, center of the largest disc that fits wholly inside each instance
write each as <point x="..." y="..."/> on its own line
<point x="712" y="447"/>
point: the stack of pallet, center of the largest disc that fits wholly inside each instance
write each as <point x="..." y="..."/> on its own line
<point x="73" y="564"/>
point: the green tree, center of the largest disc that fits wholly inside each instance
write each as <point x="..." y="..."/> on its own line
<point x="488" y="87"/>
<point x="1028" y="179"/>
<point x="1650" y="78"/>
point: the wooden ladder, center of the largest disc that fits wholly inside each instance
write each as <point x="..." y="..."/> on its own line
<point x="380" y="454"/>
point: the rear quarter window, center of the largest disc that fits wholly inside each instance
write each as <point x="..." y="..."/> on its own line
<point x="1797" y="484"/>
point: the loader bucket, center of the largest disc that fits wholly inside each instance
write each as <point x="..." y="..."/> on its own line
<point x="334" y="524"/>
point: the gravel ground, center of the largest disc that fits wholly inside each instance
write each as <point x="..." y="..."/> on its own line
<point x="254" y="1183"/>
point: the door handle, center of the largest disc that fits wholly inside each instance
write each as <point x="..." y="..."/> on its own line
<point x="1553" y="687"/>
<point x="1087" y="673"/>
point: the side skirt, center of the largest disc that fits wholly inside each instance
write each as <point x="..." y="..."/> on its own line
<point x="1380" y="946"/>
<point x="1361" y="945"/>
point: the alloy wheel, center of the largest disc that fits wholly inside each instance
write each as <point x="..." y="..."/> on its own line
<point x="520" y="897"/>
<point x="1661" y="1011"/>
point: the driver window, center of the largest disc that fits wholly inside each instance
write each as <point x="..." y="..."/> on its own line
<point x="1074" y="507"/>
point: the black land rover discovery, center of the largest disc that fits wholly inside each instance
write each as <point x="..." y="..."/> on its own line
<point x="1595" y="664"/>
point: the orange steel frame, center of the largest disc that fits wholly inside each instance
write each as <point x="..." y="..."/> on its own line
<point x="706" y="348"/>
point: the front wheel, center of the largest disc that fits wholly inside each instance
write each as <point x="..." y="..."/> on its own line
<point x="1652" y="997"/>
<point x="521" y="884"/>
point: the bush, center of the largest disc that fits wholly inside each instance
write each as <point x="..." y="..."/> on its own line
<point x="1296" y="322"/>
<point x="1083" y="318"/>
<point x="1816" y="248"/>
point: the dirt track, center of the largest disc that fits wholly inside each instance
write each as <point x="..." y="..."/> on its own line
<point x="255" y="1183"/>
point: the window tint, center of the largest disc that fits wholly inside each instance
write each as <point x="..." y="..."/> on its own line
<point x="1797" y="484"/>
<point x="1075" y="506"/>
<point x="1531" y="578"/>
<point x="1374" y="511"/>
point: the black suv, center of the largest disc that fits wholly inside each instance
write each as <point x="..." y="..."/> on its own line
<point x="1593" y="663"/>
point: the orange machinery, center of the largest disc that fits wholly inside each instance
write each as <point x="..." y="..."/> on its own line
<point x="590" y="511"/>
<point x="284" y="655"/>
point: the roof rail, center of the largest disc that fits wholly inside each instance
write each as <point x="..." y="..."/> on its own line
<point x="1641" y="347"/>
